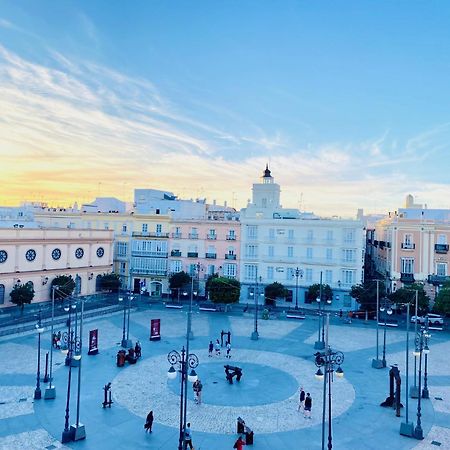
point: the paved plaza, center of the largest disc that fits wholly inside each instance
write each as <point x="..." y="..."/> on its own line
<point x="274" y="368"/>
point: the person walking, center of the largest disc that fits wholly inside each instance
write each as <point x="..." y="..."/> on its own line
<point x="210" y="349"/>
<point x="228" y="350"/>
<point x="308" y="406"/>
<point x="149" y="422"/>
<point x="217" y="347"/>
<point x="188" y="436"/>
<point x="301" y="403"/>
<point x="197" y="387"/>
<point x="239" y="443"/>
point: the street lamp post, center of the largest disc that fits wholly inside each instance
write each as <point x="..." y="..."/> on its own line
<point x="377" y="363"/>
<point x="421" y="342"/>
<point x="387" y="310"/>
<point x="407" y="427"/>
<point x="414" y="391"/>
<point x="298" y="273"/>
<point x="328" y="359"/>
<point x="126" y="342"/>
<point x="320" y="343"/>
<point x="255" y="334"/>
<point x="50" y="391"/>
<point x="425" y="391"/>
<point x="40" y="329"/>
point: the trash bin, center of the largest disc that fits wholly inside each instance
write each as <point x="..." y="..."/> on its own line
<point x="120" y="358"/>
<point x="248" y="436"/>
<point x="240" y="425"/>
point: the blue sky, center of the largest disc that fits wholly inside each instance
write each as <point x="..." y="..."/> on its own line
<point x="348" y="101"/>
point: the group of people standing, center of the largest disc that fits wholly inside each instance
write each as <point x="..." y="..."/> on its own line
<point x="305" y="403"/>
<point x="217" y="348"/>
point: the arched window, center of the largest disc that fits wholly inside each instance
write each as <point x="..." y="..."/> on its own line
<point x="2" y="294"/>
<point x="98" y="282"/>
<point x="77" y="285"/>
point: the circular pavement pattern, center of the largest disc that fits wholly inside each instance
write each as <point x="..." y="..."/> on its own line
<point x="144" y="386"/>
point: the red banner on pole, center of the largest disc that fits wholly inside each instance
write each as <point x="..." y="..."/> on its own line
<point x="155" y="330"/>
<point x="93" y="342"/>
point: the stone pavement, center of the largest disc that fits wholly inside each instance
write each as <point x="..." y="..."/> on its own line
<point x="274" y="367"/>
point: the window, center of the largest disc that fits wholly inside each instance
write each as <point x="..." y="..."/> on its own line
<point x="123" y="267"/>
<point x="176" y="266"/>
<point x="194" y="233"/>
<point x="270" y="272"/>
<point x="290" y="252"/>
<point x="290" y="234"/>
<point x="105" y="226"/>
<point x="310" y="235"/>
<point x="212" y="232"/>
<point x="250" y="271"/>
<point x="441" y="269"/>
<point x="158" y="228"/>
<point x="2" y="294"/>
<point x="211" y="269"/>
<point x="308" y="275"/>
<point x="271" y="251"/>
<point x="290" y="273"/>
<point x="252" y="231"/>
<point x="329" y="235"/>
<point x="442" y="239"/>
<point x="348" y="277"/>
<point x="271" y="233"/>
<point x="122" y="248"/>
<point x="251" y="251"/>
<point x="230" y="270"/>
<point x="407" y="265"/>
<point x="349" y="235"/>
<point x="328" y="276"/>
<point x="309" y="253"/>
<point x="329" y="254"/>
<point x="348" y="255"/>
<point x="124" y="228"/>
<point x="144" y="228"/>
<point x="231" y="235"/>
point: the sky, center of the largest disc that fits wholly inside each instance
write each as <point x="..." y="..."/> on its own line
<point x="347" y="101"/>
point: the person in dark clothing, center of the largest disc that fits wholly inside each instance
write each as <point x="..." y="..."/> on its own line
<point x="308" y="405"/>
<point x="301" y="403"/>
<point x="188" y="436"/>
<point x="138" y="349"/>
<point x="149" y="422"/>
<point x="210" y="349"/>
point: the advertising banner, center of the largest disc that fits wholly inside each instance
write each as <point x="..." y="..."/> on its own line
<point x="93" y="342"/>
<point x="155" y="330"/>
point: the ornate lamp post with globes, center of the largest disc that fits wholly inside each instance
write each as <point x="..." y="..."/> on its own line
<point x="40" y="329"/>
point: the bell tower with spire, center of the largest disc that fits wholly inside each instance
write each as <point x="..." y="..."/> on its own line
<point x="267" y="193"/>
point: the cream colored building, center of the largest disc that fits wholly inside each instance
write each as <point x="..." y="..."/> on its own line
<point x="38" y="255"/>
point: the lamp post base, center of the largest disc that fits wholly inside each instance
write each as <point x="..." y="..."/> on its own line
<point x="414" y="392"/>
<point x="418" y="433"/>
<point x="425" y="393"/>
<point x="127" y="343"/>
<point x="78" y="432"/>
<point x="66" y="436"/>
<point x="407" y="429"/>
<point x="319" y="345"/>
<point x="50" y="393"/>
<point x="37" y="394"/>
<point x="377" y="364"/>
<point x="255" y="336"/>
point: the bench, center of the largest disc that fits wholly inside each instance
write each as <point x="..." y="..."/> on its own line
<point x="174" y="305"/>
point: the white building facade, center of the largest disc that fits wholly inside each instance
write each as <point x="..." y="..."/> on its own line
<point x="292" y="248"/>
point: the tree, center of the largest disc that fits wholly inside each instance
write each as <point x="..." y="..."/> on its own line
<point x="64" y="285"/>
<point x="407" y="295"/>
<point x="21" y="294"/>
<point x="274" y="291"/>
<point x="178" y="281"/>
<point x="314" y="292"/>
<point x="109" y="282"/>
<point x="366" y="294"/>
<point x="442" y="302"/>
<point x="224" y="290"/>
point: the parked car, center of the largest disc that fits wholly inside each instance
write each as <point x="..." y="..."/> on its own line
<point x="433" y="319"/>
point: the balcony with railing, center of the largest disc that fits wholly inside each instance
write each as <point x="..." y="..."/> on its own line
<point x="149" y="271"/>
<point x="147" y="254"/>
<point x="150" y="234"/>
<point x="177" y="235"/>
<point x="408" y="246"/>
<point x="441" y="248"/>
<point x="231" y="237"/>
<point x="175" y="253"/>
<point x="210" y="255"/>
<point x="193" y="235"/>
<point x="407" y="277"/>
<point x="211" y="237"/>
<point x="192" y="254"/>
<point x="437" y="280"/>
<point x="228" y="256"/>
